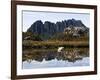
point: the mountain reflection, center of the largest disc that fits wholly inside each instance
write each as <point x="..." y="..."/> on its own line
<point x="70" y="55"/>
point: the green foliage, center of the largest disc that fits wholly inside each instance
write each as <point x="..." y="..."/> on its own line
<point x="70" y="37"/>
<point x="31" y="36"/>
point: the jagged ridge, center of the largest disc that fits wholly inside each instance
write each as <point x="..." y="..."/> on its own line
<point x="51" y="28"/>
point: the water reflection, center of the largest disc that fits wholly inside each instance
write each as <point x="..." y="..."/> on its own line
<point x="70" y="55"/>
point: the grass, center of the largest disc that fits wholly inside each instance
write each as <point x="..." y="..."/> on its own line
<point x="54" y="44"/>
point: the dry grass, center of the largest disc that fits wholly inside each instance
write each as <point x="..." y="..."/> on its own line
<point x="54" y="44"/>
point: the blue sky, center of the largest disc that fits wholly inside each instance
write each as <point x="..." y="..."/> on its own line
<point x="29" y="17"/>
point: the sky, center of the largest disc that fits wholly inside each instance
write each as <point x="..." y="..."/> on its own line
<point x="29" y="17"/>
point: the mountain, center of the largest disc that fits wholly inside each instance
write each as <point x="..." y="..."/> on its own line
<point x="50" y="28"/>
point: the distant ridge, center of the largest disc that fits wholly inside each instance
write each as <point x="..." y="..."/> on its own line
<point x="51" y="28"/>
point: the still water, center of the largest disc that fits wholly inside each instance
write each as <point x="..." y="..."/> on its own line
<point x="51" y="58"/>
